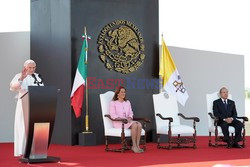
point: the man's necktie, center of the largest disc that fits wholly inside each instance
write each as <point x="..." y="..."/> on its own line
<point x="225" y="104"/>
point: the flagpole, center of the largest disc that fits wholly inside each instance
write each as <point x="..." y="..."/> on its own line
<point x="87" y="137"/>
<point x="160" y="78"/>
<point x="87" y="106"/>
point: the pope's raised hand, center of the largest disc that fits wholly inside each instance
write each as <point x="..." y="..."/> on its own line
<point x="23" y="74"/>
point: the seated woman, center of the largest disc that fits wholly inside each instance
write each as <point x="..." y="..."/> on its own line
<point x="120" y="107"/>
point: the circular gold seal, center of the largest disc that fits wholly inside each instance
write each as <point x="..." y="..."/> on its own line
<point x="121" y="46"/>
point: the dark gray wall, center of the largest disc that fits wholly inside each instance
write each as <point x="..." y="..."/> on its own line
<point x="51" y="47"/>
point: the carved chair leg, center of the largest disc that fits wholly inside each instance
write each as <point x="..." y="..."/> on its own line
<point x="209" y="141"/>
<point x="126" y="145"/>
<point x="194" y="135"/>
<point x="106" y="143"/>
<point x="144" y="142"/>
<point x="178" y="144"/>
<point x="216" y="138"/>
<point x="169" y="141"/>
<point x="145" y="136"/>
<point x="158" y="141"/>
<point x="123" y="143"/>
<point x="243" y="137"/>
<point x="216" y="141"/>
<point x="194" y="145"/>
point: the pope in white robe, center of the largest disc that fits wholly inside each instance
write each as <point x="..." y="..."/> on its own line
<point x="20" y="84"/>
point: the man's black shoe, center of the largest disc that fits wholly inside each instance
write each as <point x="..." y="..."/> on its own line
<point x="225" y="140"/>
<point x="229" y="145"/>
<point x="236" y="145"/>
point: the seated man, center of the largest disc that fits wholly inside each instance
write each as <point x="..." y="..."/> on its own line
<point x="224" y="109"/>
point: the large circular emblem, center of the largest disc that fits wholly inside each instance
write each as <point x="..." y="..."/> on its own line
<point x="121" y="46"/>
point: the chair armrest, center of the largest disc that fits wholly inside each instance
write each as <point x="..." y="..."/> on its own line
<point x="120" y="119"/>
<point x="142" y="119"/>
<point x="212" y="116"/>
<point x="215" y="118"/>
<point x="166" y="118"/>
<point x="244" y="118"/>
<point x="196" y="119"/>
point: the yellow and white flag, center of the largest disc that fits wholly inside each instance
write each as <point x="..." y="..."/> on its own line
<point x="171" y="80"/>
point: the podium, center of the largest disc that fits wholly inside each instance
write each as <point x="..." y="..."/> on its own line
<point x="39" y="110"/>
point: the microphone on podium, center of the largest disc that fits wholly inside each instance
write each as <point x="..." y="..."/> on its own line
<point x="36" y="81"/>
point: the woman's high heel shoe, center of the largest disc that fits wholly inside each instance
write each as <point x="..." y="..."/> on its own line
<point x="141" y="150"/>
<point x="136" y="150"/>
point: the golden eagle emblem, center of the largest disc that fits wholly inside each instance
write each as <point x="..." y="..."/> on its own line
<point x="121" y="46"/>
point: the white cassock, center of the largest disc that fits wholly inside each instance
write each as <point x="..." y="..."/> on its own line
<point x="19" y="131"/>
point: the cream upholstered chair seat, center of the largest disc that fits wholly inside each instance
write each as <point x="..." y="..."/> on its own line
<point x="177" y="129"/>
<point x="167" y="119"/>
<point x="116" y="132"/>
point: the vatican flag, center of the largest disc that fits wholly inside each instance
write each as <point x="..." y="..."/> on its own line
<point x="171" y="80"/>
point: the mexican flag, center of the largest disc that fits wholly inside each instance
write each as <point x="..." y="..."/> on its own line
<point x="78" y="90"/>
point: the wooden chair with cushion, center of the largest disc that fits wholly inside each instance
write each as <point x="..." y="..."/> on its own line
<point x="168" y="123"/>
<point x="110" y="131"/>
<point x="214" y="129"/>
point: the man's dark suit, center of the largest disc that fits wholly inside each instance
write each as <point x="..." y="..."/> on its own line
<point x="222" y="112"/>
